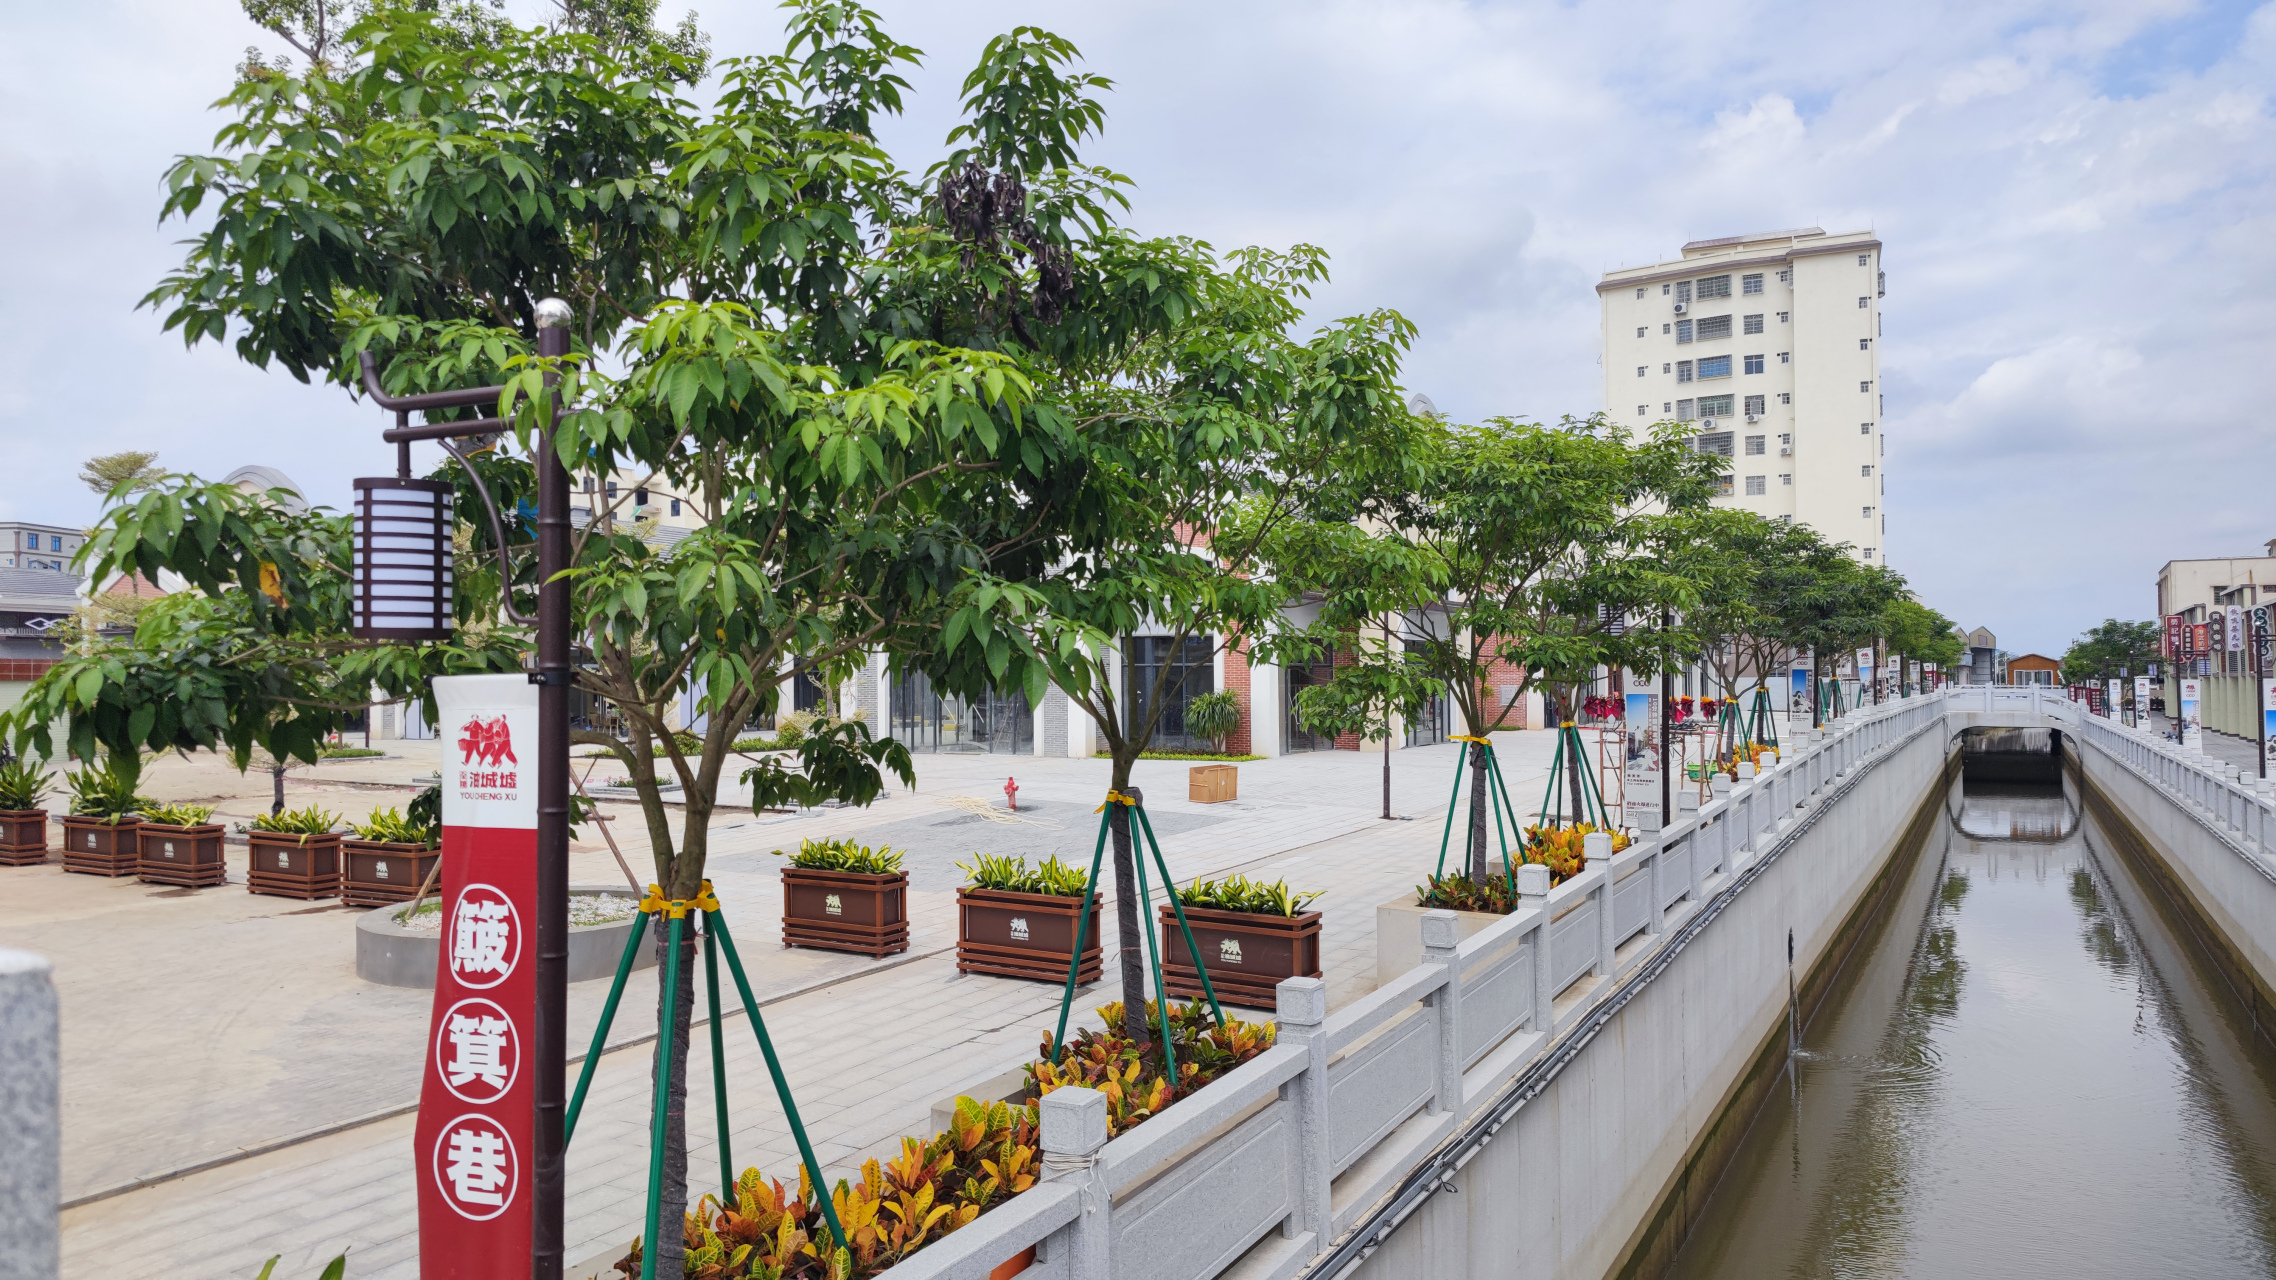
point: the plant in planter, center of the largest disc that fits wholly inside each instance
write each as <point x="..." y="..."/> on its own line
<point x="1129" y="1072"/>
<point x="23" y="823"/>
<point x="179" y="844"/>
<point x="1456" y="891"/>
<point x="386" y="857"/>
<point x="1252" y="935"/>
<point x="1562" y="849"/>
<point x="1214" y="716"/>
<point x="98" y="833"/>
<point x="295" y="854"/>
<point x="990" y="1154"/>
<point x="1020" y="922"/>
<point x="841" y="896"/>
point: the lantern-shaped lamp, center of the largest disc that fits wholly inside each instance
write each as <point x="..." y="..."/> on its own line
<point x="403" y="587"/>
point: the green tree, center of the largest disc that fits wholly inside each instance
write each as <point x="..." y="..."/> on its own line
<point x="1508" y="552"/>
<point x="1920" y="633"/>
<point x="136" y="469"/>
<point x="877" y="391"/>
<point x="2109" y="648"/>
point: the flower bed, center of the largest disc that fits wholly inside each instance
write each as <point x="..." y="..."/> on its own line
<point x="1561" y="849"/>
<point x="934" y="1187"/>
<point x="1133" y="1079"/>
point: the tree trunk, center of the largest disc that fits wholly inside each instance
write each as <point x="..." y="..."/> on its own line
<point x="1127" y="923"/>
<point x="1576" y="806"/>
<point x="670" y="1243"/>
<point x="1480" y="779"/>
<point x="276" y="786"/>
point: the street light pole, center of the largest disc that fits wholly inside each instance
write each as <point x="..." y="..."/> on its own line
<point x="553" y="676"/>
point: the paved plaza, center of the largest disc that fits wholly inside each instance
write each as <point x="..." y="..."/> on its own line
<point x="232" y="1090"/>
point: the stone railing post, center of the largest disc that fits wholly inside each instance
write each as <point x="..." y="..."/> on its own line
<point x="31" y="1120"/>
<point x="1073" y="1124"/>
<point x="1441" y="934"/>
<point x="1301" y="1008"/>
<point x="1533" y="895"/>
<point x="1596" y="849"/>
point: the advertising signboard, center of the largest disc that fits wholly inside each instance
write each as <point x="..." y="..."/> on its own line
<point x="2141" y="700"/>
<point x="2268" y="719"/>
<point x="1640" y="782"/>
<point x="476" y="1138"/>
<point x="2192" y="728"/>
<point x="2174" y="638"/>
<point x="2110" y="708"/>
<point x="2232" y="628"/>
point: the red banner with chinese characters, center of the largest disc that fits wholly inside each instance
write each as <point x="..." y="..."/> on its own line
<point x="2173" y="640"/>
<point x="477" y="1115"/>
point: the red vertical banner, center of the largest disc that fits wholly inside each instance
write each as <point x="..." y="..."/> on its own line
<point x="477" y="1118"/>
<point x="2173" y="641"/>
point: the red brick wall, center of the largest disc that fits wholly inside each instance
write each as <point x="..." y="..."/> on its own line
<point x="24" y="668"/>
<point x="1237" y="684"/>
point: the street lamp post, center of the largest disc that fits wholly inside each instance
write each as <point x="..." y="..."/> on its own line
<point x="549" y="1038"/>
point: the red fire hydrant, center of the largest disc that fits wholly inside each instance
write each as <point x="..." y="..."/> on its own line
<point x="1011" y="794"/>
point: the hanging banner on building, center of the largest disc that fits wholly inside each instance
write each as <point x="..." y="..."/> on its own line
<point x="2232" y="629"/>
<point x="2200" y="637"/>
<point x="2173" y="635"/>
<point x="2192" y="728"/>
<point x="475" y="1142"/>
<point x="2141" y="700"/>
<point x="1640" y="782"/>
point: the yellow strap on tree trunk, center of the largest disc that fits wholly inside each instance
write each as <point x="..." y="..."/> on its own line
<point x="1116" y="797"/>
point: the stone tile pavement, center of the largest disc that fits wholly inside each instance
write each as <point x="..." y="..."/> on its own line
<point x="198" y="1029"/>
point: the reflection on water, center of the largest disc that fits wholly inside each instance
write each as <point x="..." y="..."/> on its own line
<point x="2026" y="1071"/>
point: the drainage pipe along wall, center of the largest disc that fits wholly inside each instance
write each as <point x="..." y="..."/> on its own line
<point x="1617" y="1146"/>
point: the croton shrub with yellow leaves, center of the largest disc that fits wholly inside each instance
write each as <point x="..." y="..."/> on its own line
<point x="1134" y="1082"/>
<point x="900" y="1205"/>
<point x="1561" y="849"/>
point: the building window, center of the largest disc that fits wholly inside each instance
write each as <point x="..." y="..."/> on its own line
<point x="1667" y="406"/>
<point x="1785" y="478"/>
<point x="1667" y="328"/>
<point x="1865" y="428"/>
<point x="1683" y="331"/>
<point x="1639" y="371"/>
<point x="1782" y="317"/>
<point x="1663" y="290"/>
<point x="1640" y="330"/>
<point x="1714" y="327"/>
<point x="1665" y="367"/>
<point x="1865" y="259"/>
<point x="1757" y="486"/>
<point x="1683" y="371"/>
<point x="1715" y="287"/>
<point x="1754" y="404"/>
<point x="1715" y="407"/>
<point x="1751" y="284"/>
<point x="675" y="506"/>
<point x="1753" y="324"/>
<point x="1786" y="277"/>
<point x="639" y="497"/>
<point x="1867" y="553"/>
<point x="1722" y="486"/>
<point x="1640" y="290"/>
<point x="612" y="491"/>
<point x="1868" y="513"/>
<point x="1683" y="291"/>
<point x="1865" y="470"/>
<point x="1865" y="386"/>
<point x="1864" y="344"/>
<point x="588" y="484"/>
<point x="1757" y="445"/>
<point x="1863" y="303"/>
<point x="1182" y="676"/>
<point x="1785" y="357"/>
<point x="1715" y="367"/>
<point x="55" y="543"/>
<point x="1642" y="409"/>
<point x="1754" y="364"/>
<point x="1785" y="397"/>
<point x="1683" y="411"/>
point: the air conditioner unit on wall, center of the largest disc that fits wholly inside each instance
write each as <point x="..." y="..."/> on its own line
<point x="1786" y="451"/>
<point x="1680" y="308"/>
<point x="1754" y="417"/>
<point x="1707" y="424"/>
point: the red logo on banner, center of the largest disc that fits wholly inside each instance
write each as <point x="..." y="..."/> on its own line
<point x="476" y="1167"/>
<point x="487" y="742"/>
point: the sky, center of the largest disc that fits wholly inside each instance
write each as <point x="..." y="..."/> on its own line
<point x="2074" y="198"/>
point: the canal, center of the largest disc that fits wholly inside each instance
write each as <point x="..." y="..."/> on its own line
<point x="2028" y="1067"/>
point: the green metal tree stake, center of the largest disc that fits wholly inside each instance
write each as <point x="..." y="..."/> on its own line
<point x="1082" y="935"/>
<point x="717" y="922"/>
<point x="1192" y="948"/>
<point x="663" y="1084"/>
<point x="718" y="1067"/>
<point x="600" y="1033"/>
<point x="1154" y="958"/>
<point x="1448" y="833"/>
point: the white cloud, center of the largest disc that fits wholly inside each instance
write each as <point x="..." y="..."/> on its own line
<point x="2081" y="261"/>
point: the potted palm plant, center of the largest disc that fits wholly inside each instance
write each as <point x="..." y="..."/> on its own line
<point x="295" y="854"/>
<point x="842" y="896"/>
<point x="180" y="844"/>
<point x="99" y="832"/>
<point x="1252" y="935"/>
<point x="1021" y="923"/>
<point x="386" y="858"/>
<point x="23" y="824"/>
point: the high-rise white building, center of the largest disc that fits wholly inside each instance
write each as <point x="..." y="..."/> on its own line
<point x="1766" y="346"/>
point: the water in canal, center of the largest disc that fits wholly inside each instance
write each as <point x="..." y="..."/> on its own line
<point x="2027" y="1069"/>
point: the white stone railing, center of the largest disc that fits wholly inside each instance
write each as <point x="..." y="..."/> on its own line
<point x="2233" y="804"/>
<point x="1257" y="1173"/>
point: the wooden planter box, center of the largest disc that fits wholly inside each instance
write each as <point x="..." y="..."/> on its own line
<point x="1248" y="955"/>
<point x="281" y="866"/>
<point x="1023" y="935"/>
<point x="845" y="911"/>
<point x="23" y="837"/>
<point x="185" y="856"/>
<point x="1212" y="783"/>
<point x="379" y="873"/>
<point x="95" y="847"/>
